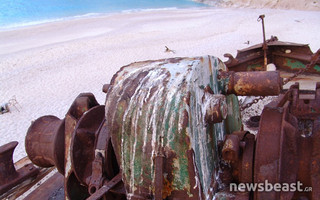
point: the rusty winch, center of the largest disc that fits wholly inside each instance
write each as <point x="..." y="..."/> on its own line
<point x="172" y="129"/>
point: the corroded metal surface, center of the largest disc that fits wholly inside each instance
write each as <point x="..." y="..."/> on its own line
<point x="83" y="142"/>
<point x="285" y="55"/>
<point x="252" y="83"/>
<point x="51" y="189"/>
<point x="171" y="129"/>
<point x="286" y="149"/>
<point x="237" y="164"/>
<point x="106" y="188"/>
<point x="164" y="103"/>
<point x="270" y="161"/>
<point x="284" y="152"/>
<point x="9" y="176"/>
<point x="43" y="142"/>
<point x="73" y="187"/>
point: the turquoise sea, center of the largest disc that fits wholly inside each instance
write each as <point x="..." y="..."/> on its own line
<point x="15" y="13"/>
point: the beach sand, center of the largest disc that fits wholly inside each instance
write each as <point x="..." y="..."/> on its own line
<point x="46" y="66"/>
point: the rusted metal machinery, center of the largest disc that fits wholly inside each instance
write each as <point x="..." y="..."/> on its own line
<point x="286" y="56"/>
<point x="171" y="129"/>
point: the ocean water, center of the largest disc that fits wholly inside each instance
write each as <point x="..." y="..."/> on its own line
<point x="15" y="13"/>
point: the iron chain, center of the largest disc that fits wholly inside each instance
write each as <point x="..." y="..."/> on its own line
<point x="256" y="100"/>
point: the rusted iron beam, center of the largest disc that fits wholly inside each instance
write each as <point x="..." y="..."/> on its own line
<point x="252" y="83"/>
<point x="9" y="176"/>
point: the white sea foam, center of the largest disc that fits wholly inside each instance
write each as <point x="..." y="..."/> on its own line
<point x="87" y="15"/>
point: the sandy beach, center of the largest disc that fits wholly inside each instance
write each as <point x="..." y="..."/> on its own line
<point x="46" y="66"/>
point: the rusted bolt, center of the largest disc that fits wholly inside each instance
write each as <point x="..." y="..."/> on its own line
<point x="105" y="88"/>
<point x="230" y="150"/>
<point x="215" y="108"/>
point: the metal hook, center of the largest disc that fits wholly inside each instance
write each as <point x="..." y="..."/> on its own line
<point x="261" y="17"/>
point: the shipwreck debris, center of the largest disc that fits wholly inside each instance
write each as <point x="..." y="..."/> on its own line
<point x="167" y="128"/>
<point x="5" y="107"/>
<point x="172" y="129"/>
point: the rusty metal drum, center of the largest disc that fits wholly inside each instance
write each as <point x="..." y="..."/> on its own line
<point x="166" y="119"/>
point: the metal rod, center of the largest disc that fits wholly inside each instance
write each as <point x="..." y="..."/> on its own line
<point x="264" y="47"/>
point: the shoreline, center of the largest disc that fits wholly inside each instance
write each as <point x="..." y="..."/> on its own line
<point x="93" y="23"/>
<point x="84" y="16"/>
<point x="46" y="66"/>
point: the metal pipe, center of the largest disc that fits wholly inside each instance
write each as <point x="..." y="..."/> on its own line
<point x="258" y="83"/>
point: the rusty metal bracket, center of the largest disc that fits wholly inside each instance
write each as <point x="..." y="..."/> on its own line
<point x="305" y="106"/>
<point x="96" y="178"/>
<point x="9" y="176"/>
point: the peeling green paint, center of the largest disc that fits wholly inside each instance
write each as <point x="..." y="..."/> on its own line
<point x="294" y="64"/>
<point x="147" y="101"/>
<point x="233" y="121"/>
